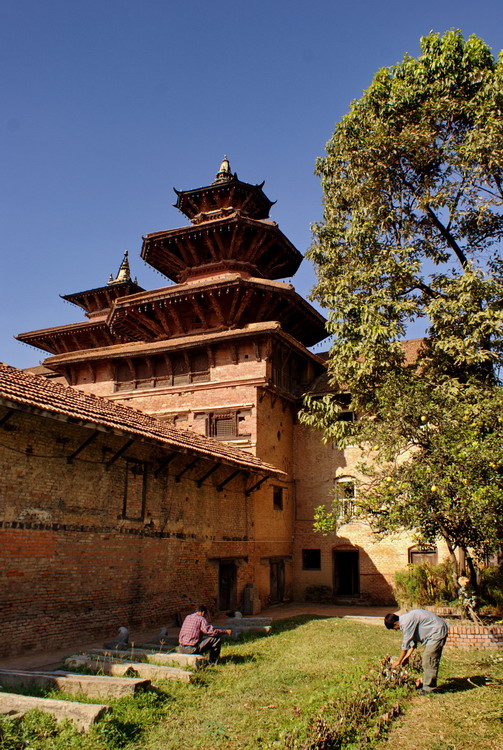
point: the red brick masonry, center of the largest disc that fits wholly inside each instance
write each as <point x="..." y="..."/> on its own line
<point x="475" y="636"/>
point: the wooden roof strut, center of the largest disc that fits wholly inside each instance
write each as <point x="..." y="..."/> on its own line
<point x="227" y="480"/>
<point x="186" y="468"/>
<point x="208" y="474"/>
<point x="164" y="463"/>
<point x="256" y="486"/>
<point x="76" y="452"/>
<point x="119" y="453"/>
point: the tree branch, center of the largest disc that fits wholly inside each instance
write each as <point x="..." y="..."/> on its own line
<point x="447" y="236"/>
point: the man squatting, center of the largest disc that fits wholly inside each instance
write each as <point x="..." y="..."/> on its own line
<point x="421" y="626"/>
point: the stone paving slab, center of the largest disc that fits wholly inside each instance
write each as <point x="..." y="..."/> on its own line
<point x="246" y="622"/>
<point x="238" y="629"/>
<point x="82" y="714"/>
<point x="120" y="668"/>
<point x="196" y="661"/>
<point x="94" y="686"/>
<point x="167" y="644"/>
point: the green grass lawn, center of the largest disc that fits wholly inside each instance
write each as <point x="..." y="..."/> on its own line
<point x="264" y="690"/>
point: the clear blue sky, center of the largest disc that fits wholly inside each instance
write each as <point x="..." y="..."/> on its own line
<point x="108" y="104"/>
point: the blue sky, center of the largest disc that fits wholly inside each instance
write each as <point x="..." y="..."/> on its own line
<point x="109" y="104"/>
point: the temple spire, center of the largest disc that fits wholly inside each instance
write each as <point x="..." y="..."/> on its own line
<point x="124" y="273"/>
<point x="224" y="173"/>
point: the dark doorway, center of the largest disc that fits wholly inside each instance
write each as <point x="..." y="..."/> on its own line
<point x="227" y="585"/>
<point x="346" y="572"/>
<point x="277" y="581"/>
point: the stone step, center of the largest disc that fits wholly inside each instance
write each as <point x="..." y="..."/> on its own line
<point x="195" y="661"/>
<point x="243" y="629"/>
<point x="246" y="621"/>
<point x="120" y="668"/>
<point x="94" y="686"/>
<point x="166" y="645"/>
<point x="82" y="714"/>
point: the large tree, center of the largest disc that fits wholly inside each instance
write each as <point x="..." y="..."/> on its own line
<point x="412" y="229"/>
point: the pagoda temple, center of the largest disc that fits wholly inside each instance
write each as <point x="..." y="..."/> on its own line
<point x="223" y="351"/>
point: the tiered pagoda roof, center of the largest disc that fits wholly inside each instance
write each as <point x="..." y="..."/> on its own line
<point x="226" y="263"/>
<point x="230" y="231"/>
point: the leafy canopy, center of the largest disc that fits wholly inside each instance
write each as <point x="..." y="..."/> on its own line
<point x="413" y="195"/>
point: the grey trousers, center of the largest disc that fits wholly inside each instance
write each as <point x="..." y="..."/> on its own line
<point x="431" y="660"/>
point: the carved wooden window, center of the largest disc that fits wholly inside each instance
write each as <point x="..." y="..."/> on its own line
<point x="200" y="367"/>
<point x="345" y="494"/>
<point x="420" y="554"/>
<point x="143" y="374"/>
<point x="223" y="426"/>
<point x="124" y="380"/>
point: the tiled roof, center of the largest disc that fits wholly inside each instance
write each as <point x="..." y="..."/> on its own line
<point x="38" y="393"/>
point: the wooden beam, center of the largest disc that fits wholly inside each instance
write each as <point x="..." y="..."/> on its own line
<point x="244" y="302"/>
<point x="8" y="414"/>
<point x="256" y="486"/>
<point x="164" y="463"/>
<point x="76" y="452"/>
<point x="217" y="310"/>
<point x="172" y="257"/>
<point x="208" y="474"/>
<point x="227" y="480"/>
<point x="199" y="310"/>
<point x="119" y="453"/>
<point x="161" y="318"/>
<point x="174" y="314"/>
<point x="211" y="244"/>
<point x="187" y="467"/>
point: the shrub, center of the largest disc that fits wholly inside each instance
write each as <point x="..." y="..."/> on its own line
<point x="491" y="586"/>
<point x="424" y="584"/>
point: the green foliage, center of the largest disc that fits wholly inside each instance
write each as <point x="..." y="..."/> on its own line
<point x="491" y="586"/>
<point x="413" y="221"/>
<point x="423" y="585"/>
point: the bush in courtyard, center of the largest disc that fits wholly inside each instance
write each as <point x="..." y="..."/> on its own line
<point x="424" y="584"/>
<point x="491" y="586"/>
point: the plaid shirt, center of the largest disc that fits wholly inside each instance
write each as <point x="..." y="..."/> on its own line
<point x="193" y="627"/>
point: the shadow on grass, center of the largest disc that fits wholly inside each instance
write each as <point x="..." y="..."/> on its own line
<point x="461" y="684"/>
<point x="282" y="626"/>
<point x="236" y="659"/>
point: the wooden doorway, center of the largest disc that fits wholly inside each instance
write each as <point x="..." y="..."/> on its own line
<point x="227" y="585"/>
<point x="277" y="588"/>
<point x="346" y="572"/>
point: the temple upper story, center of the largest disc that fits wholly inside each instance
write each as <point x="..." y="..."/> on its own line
<point x="228" y="266"/>
<point x="230" y="231"/>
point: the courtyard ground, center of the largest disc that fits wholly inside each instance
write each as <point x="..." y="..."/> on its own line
<point x="268" y="689"/>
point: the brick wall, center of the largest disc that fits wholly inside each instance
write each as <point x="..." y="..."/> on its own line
<point x="74" y="565"/>
<point x="317" y="465"/>
<point x="475" y="636"/>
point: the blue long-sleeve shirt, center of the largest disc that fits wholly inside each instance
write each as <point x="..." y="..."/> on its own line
<point x="421" y="626"/>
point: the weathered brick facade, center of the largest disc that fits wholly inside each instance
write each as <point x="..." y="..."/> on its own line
<point x="133" y="537"/>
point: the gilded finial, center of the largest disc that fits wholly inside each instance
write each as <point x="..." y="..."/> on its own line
<point x="224" y="173"/>
<point x="124" y="273"/>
